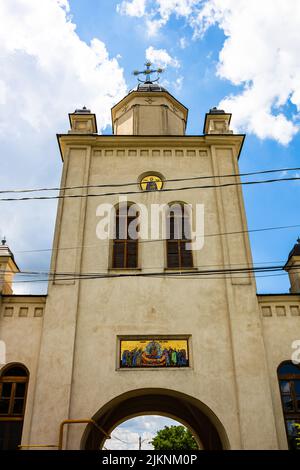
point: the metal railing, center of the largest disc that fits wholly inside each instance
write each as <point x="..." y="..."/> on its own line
<point x="62" y="425"/>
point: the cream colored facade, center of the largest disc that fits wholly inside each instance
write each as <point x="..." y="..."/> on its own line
<point x="69" y="339"/>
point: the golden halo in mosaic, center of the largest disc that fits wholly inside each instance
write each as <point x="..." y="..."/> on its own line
<point x="151" y="183"/>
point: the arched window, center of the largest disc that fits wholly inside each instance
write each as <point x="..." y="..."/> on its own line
<point x="289" y="383"/>
<point x="13" y="390"/>
<point x="125" y="246"/>
<point x="178" y="236"/>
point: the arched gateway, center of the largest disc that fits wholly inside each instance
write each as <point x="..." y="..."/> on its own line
<point x="204" y="424"/>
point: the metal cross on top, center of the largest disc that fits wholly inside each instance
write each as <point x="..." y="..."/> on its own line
<point x="147" y="72"/>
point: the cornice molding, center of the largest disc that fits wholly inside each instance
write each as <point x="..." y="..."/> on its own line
<point x="126" y="141"/>
<point x="284" y="297"/>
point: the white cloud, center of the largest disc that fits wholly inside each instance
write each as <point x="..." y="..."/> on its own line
<point x="157" y="12"/>
<point x="183" y="43"/>
<point x="178" y="83"/>
<point x="46" y="72"/>
<point x="133" y="8"/>
<point x="124" y="439"/>
<point x="176" y="7"/>
<point x="161" y="57"/>
<point x="260" y="55"/>
<point x="153" y="26"/>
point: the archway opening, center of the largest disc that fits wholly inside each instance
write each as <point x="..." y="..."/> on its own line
<point x="192" y="413"/>
<point x="138" y="434"/>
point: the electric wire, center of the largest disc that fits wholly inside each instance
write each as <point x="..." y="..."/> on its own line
<point x="82" y="196"/>
<point x="115" y="185"/>
<point x="161" y="277"/>
<point x="182" y="273"/>
<point x="263" y="229"/>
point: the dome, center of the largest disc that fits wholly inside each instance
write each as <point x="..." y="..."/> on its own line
<point x="149" y="109"/>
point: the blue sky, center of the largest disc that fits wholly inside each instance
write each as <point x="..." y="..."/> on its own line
<point x="65" y="54"/>
<point x="57" y="55"/>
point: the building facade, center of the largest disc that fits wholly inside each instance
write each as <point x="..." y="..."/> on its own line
<point x="131" y="327"/>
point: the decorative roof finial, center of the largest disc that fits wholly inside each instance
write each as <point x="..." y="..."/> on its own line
<point x="3" y="241"/>
<point x="298" y="240"/>
<point x="147" y="72"/>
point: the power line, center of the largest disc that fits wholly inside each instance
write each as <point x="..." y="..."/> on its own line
<point x="27" y="273"/>
<point x="159" y="240"/>
<point x="264" y="229"/>
<point x="162" y="276"/>
<point x="223" y="268"/>
<point x="224" y="185"/>
<point x="118" y="439"/>
<point x="82" y="276"/>
<point x="116" y="185"/>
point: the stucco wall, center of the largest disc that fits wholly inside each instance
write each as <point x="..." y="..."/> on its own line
<point x="21" y="319"/>
<point x="281" y="327"/>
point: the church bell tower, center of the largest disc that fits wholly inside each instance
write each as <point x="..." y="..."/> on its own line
<point x="148" y="325"/>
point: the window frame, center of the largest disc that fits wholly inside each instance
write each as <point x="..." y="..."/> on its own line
<point x="295" y="413"/>
<point x="10" y="416"/>
<point x="178" y="242"/>
<point x="125" y="242"/>
<point x="13" y="380"/>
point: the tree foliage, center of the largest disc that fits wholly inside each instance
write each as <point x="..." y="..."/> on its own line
<point x="174" y="438"/>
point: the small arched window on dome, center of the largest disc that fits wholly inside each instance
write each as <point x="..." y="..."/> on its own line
<point x="178" y="236"/>
<point x="289" y="383"/>
<point x="125" y="247"/>
<point x="13" y="391"/>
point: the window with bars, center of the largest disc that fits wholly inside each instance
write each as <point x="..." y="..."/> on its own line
<point x="178" y="236"/>
<point x="125" y="248"/>
<point x="289" y="383"/>
<point x="13" y="391"/>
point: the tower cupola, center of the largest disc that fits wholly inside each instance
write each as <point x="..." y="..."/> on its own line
<point x="293" y="268"/>
<point x="149" y="109"/>
<point x="8" y="268"/>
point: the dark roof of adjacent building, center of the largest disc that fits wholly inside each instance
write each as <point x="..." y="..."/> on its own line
<point x="295" y="251"/>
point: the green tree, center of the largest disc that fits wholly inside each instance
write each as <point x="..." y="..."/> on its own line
<point x="174" y="438"/>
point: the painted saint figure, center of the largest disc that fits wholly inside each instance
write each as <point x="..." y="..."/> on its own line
<point x="151" y="185"/>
